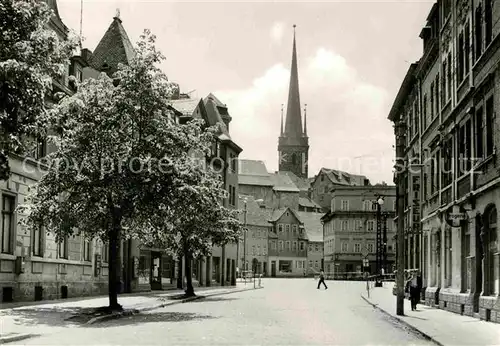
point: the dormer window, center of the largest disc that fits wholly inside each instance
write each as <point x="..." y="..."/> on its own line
<point x="79" y="75"/>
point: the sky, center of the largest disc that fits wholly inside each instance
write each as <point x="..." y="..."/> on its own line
<point x="352" y="58"/>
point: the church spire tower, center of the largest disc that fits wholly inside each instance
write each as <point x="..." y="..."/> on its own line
<point x="293" y="144"/>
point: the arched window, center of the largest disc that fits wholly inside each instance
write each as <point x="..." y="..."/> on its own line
<point x="491" y="245"/>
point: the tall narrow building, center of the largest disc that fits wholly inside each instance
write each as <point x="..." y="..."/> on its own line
<point x="293" y="144"/>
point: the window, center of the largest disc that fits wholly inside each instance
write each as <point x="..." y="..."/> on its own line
<point x="253" y="249"/>
<point x="371" y="225"/>
<point x="357" y="247"/>
<point x="86" y="250"/>
<point x="234" y="195"/>
<point x="280" y="227"/>
<point x="105" y="252"/>
<point x="294" y="248"/>
<point x="359" y="225"/>
<point x="234" y="162"/>
<point x="273" y="245"/>
<point x="374" y="206"/>
<point x="479" y="31"/>
<point x="394" y="205"/>
<point x="446" y="154"/>
<point x="8" y="208"/>
<point x="424" y="112"/>
<point x="79" y="75"/>
<point x="479" y="134"/>
<point x="467" y="48"/>
<point x="345" y="247"/>
<point x="464" y="148"/>
<point x="37" y="242"/>
<point x="287" y="228"/>
<point x="490" y="125"/>
<point x="301" y="246"/>
<point x="281" y="245"/>
<point x="344" y="225"/>
<point x="316" y="264"/>
<point x="431" y="98"/>
<point x="288" y="245"/>
<point x="294" y="227"/>
<point x="370" y="248"/>
<point x="310" y="264"/>
<point x="460" y="62"/>
<point x="345" y="205"/>
<point x="449" y="81"/>
<point x="264" y="250"/>
<point x="62" y="248"/>
<point x="444" y="88"/>
<point x="436" y="91"/>
<point x="488" y="22"/>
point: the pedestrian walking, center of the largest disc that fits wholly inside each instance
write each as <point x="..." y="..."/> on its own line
<point x="322" y="280"/>
<point x="415" y="288"/>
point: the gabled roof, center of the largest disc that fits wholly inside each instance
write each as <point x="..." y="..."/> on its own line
<point x="278" y="213"/>
<point x="307" y="202"/>
<point x="113" y="49"/>
<point x="283" y="183"/>
<point x="302" y="184"/>
<point x="312" y="225"/>
<point x="341" y="178"/>
<point x="256" y="216"/>
<point x="214" y="116"/>
<point x="187" y="107"/>
<point x="253" y="172"/>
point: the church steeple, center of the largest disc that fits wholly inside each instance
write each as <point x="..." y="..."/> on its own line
<point x="293" y="146"/>
<point x="293" y="124"/>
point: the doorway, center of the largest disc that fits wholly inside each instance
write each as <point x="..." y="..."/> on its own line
<point x="156" y="270"/>
<point x="273" y="269"/>
<point x="478" y="287"/>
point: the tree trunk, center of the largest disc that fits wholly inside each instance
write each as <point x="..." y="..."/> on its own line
<point x="114" y="259"/>
<point x="189" y="275"/>
<point x="179" y="274"/>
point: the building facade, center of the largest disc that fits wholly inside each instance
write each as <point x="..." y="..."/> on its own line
<point x="350" y="229"/>
<point x="287" y="244"/>
<point x="451" y="147"/>
<point x="326" y="179"/>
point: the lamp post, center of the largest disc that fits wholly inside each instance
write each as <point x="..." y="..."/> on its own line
<point x="380" y="246"/>
<point x="400" y="132"/>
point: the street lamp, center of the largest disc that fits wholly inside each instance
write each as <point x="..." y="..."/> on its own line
<point x="380" y="250"/>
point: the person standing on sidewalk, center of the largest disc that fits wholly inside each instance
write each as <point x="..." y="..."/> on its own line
<point x="415" y="287"/>
<point x="322" y="279"/>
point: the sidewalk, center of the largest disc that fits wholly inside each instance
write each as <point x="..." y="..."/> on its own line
<point x="443" y="327"/>
<point x="21" y="322"/>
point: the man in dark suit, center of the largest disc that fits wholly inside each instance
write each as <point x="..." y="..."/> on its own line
<point x="322" y="279"/>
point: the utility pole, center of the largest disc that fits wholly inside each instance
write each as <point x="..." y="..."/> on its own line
<point x="400" y="132"/>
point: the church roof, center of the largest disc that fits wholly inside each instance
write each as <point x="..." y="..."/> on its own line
<point x="113" y="49"/>
<point x="293" y="122"/>
<point x="302" y="184"/>
<point x="283" y="183"/>
<point x="253" y="172"/>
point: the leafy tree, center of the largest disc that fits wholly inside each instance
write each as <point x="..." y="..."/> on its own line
<point x="197" y="220"/>
<point x="31" y="54"/>
<point x="118" y="151"/>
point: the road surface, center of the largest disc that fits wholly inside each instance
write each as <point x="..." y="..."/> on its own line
<point x="285" y="312"/>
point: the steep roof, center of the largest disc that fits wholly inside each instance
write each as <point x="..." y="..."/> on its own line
<point x="277" y="213"/>
<point x="253" y="172"/>
<point x="256" y="216"/>
<point x="307" y="202"/>
<point x="312" y="225"/>
<point x="113" y="49"/>
<point x="342" y="178"/>
<point x="186" y="107"/>
<point x="302" y="184"/>
<point x="282" y="182"/>
<point x="293" y="121"/>
<point x="213" y="114"/>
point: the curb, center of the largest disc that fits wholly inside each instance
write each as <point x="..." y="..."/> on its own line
<point x="138" y="311"/>
<point x="18" y="337"/>
<point x="399" y="319"/>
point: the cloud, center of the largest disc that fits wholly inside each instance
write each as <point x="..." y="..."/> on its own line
<point x="277" y="31"/>
<point x="346" y="116"/>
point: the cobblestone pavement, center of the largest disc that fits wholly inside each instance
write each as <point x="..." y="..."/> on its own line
<point x="285" y="312"/>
